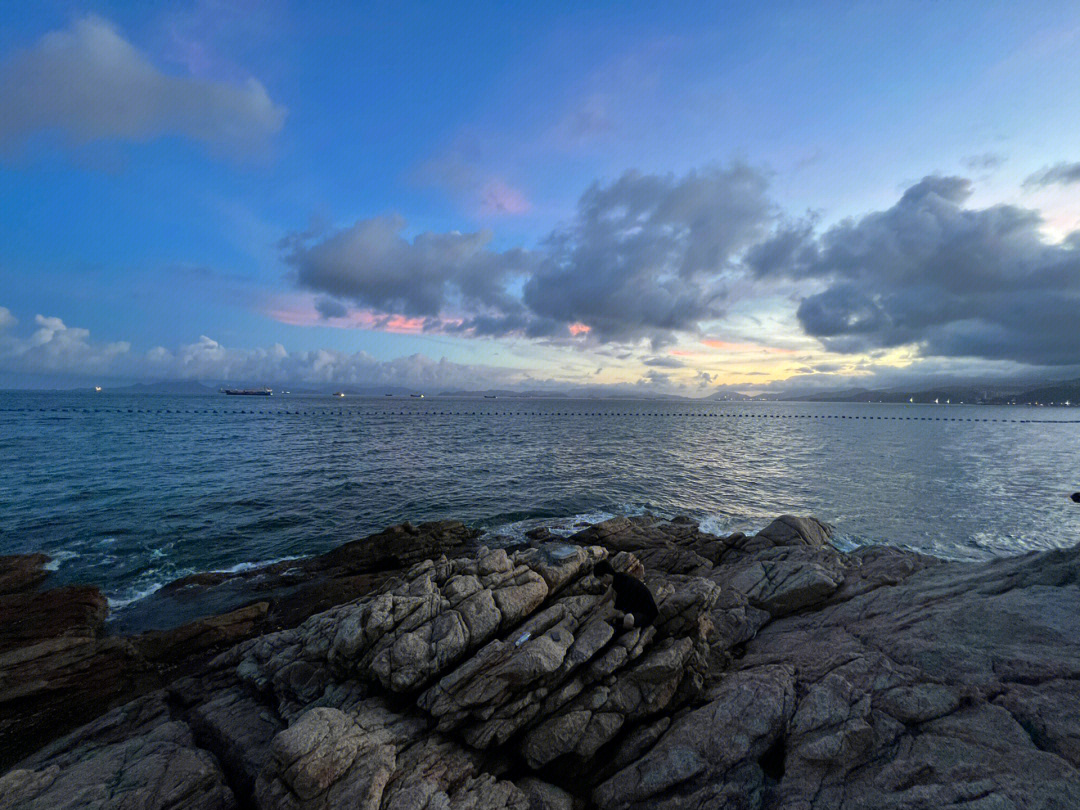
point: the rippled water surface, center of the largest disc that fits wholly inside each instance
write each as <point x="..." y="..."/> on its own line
<point x="130" y="492"/>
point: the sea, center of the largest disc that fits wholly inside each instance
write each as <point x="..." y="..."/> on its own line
<point x="129" y="492"/>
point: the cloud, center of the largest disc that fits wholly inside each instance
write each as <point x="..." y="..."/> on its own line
<point x="485" y="193"/>
<point x="498" y="197"/>
<point x="587" y="120"/>
<point x="1063" y="173"/>
<point x="645" y="255"/>
<point x="374" y="265"/>
<point x="987" y="161"/>
<point x="954" y="281"/>
<point x="663" y="362"/>
<point x="89" y="83"/>
<point x="330" y="308"/>
<point x="55" y="347"/>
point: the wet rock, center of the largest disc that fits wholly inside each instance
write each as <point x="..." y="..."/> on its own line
<point x="20" y="572"/>
<point x="297" y="589"/>
<point x="28" y="617"/>
<point x="54" y="685"/>
<point x="203" y="634"/>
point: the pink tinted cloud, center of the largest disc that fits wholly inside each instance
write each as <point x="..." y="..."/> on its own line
<point x="579" y="329"/>
<point x="305" y="314"/>
<point x="499" y="197"/>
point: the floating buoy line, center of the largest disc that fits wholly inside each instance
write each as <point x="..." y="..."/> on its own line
<point x="335" y="412"/>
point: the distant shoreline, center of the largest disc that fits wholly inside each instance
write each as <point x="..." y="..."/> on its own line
<point x="817" y="399"/>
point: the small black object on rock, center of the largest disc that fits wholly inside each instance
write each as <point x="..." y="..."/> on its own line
<point x="632" y="596"/>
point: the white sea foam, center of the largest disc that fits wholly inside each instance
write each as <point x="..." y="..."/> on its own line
<point x="240" y="568"/>
<point x="130" y="595"/>
<point x="155" y="580"/>
<point x="58" y="559"/>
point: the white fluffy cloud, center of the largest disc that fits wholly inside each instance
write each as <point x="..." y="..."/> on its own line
<point x="90" y="83"/>
<point x="55" y="347"/>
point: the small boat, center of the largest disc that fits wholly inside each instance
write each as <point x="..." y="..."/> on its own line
<point x="389" y="395"/>
<point x="491" y="396"/>
<point x="248" y="392"/>
<point x="97" y="388"/>
<point x="417" y="396"/>
<point x="339" y="393"/>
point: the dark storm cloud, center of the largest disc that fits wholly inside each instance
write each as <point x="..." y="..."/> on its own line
<point x="959" y="282"/>
<point x="372" y="264"/>
<point x="645" y="255"/>
<point x="1063" y="173"/>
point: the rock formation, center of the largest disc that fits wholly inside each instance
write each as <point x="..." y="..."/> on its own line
<point x="780" y="673"/>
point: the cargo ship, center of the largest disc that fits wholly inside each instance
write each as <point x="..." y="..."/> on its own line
<point x="247" y="392"/>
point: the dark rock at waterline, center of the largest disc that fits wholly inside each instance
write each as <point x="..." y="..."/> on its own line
<point x="1075" y="497"/>
<point x="27" y="617"/>
<point x="19" y="572"/>
<point x="60" y="668"/>
<point x="780" y="673"/>
<point x="294" y="589"/>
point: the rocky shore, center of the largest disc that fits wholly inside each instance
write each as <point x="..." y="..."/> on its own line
<point x="418" y="668"/>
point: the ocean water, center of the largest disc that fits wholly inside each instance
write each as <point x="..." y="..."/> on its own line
<point x="130" y="492"/>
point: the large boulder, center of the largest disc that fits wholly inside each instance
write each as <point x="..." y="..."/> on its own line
<point x="134" y="757"/>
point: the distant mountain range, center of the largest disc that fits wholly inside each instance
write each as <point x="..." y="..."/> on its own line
<point x="193" y="388"/>
<point x="503" y="392"/>
<point x="171" y="387"/>
<point x="1058" y="393"/>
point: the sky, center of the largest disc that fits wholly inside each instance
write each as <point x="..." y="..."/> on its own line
<point x="665" y="198"/>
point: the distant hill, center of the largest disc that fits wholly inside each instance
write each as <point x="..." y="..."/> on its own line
<point x="508" y="394"/>
<point x="1053" y="394"/>
<point x="172" y="387"/>
<point x="990" y="394"/>
<point x="731" y="396"/>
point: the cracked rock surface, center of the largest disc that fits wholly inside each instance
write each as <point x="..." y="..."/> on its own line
<point x="780" y="673"/>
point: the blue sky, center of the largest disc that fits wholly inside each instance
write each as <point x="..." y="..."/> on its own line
<point x="425" y="193"/>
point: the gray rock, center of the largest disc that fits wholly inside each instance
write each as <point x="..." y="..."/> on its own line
<point x="133" y="757"/>
<point x="780" y="673"/>
<point x="712" y="754"/>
